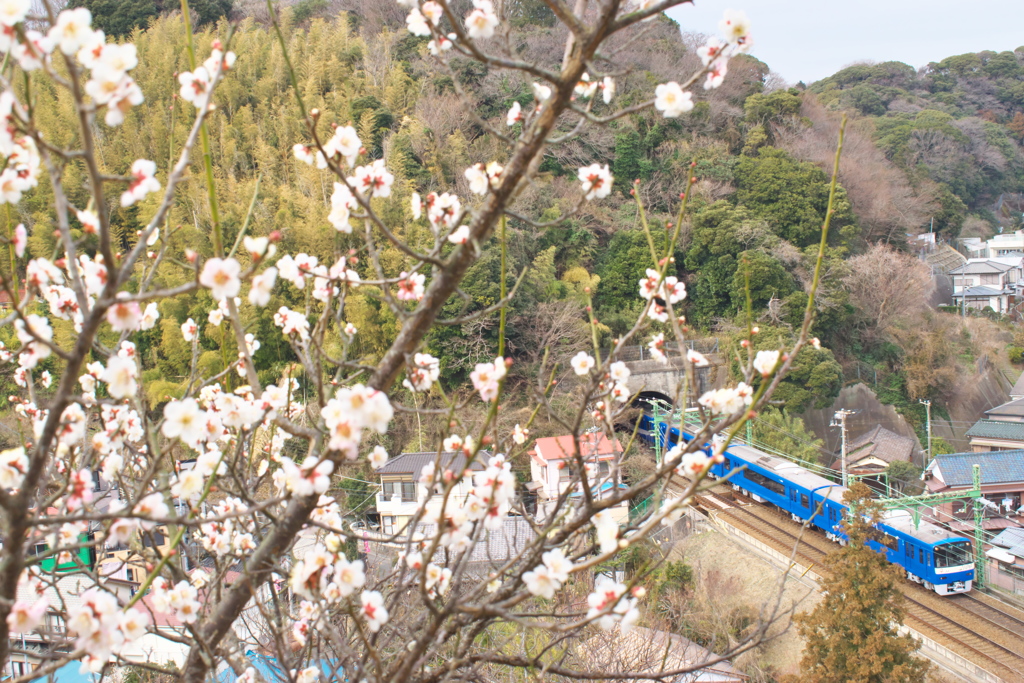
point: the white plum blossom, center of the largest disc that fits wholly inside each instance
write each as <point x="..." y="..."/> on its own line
<point x="416" y="205"/>
<point x="515" y="114"/>
<point x="541" y="92"/>
<point x="716" y="74"/>
<point x="195" y="86"/>
<point x="184" y="419"/>
<point x="262" y="287"/>
<point x="597" y="181"/>
<point x="736" y="28"/>
<point x="481" y="22"/>
<point x="411" y="287"/>
<point x="372" y="180"/>
<point x="378" y="457"/>
<point x="607" y="530"/>
<point x="125" y="316"/>
<point x="486" y="378"/>
<point x="424" y="372"/>
<point x="671" y="101"/>
<point x="460" y="236"/>
<point x="520" y="434"/>
<point x="13" y="466"/>
<point x="221" y="277"/>
<point x="13" y="11"/>
<point x="698" y="359"/>
<point x="72" y="30"/>
<point x="710" y="51"/>
<point x="727" y="400"/>
<point x="765" y="362"/>
<point x="540" y="582"/>
<point x="189" y="330"/>
<point x="582" y="363"/>
<point x="344" y="143"/>
<point x="477" y="177"/>
<point x="142" y="182"/>
<point x="149" y="317"/>
<point x="120" y="377"/>
<point x="342" y="203"/>
<point x="657" y="347"/>
<point x="619" y="371"/>
<point x="607" y="89"/>
<point x="373" y="610"/>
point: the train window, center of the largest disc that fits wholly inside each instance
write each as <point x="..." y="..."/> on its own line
<point x="765" y="482"/>
<point x="953" y="554"/>
<point x="805" y="501"/>
<point x="727" y="465"/>
<point x="890" y="542"/>
<point x="920" y="555"/>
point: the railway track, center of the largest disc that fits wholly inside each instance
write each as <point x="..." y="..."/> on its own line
<point x="990" y="635"/>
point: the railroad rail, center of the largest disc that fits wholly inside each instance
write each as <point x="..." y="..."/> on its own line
<point x="990" y="635"/>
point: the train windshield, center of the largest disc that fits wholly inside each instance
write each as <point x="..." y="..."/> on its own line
<point x="953" y="554"/>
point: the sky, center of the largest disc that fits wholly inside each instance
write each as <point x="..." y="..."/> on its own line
<point x="806" y="40"/>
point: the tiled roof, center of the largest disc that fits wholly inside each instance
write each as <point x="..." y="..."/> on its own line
<point x="997" y="467"/>
<point x="412" y="463"/>
<point x="980" y="291"/>
<point x="561" y="447"/>
<point x="882" y="444"/>
<point x="994" y="429"/>
<point x="1011" y="539"/>
<point x="1014" y="408"/>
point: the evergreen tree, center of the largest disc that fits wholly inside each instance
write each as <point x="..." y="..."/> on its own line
<point x="852" y="635"/>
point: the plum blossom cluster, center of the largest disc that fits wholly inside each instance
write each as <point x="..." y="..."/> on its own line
<point x="670" y="98"/>
<point x="101" y="627"/>
<point x="610" y="605"/>
<point x="661" y="291"/>
<point x="325" y="575"/>
<point x="487" y="501"/>
<point x="486" y="378"/>
<point x="196" y="86"/>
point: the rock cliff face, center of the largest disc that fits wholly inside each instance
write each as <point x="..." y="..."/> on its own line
<point x="871" y="412"/>
<point x="987" y="387"/>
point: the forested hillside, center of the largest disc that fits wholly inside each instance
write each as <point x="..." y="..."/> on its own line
<point x="942" y="145"/>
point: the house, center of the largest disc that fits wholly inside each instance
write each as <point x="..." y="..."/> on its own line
<point x="997" y="273"/>
<point x="1007" y="244"/>
<point x="1006" y="560"/>
<point x="872" y="452"/>
<point x="1002" y="484"/>
<point x="550" y="455"/>
<point x="1002" y="428"/>
<point x="400" y="490"/>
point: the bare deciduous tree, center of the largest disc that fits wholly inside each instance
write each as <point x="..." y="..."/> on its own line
<point x="237" y="481"/>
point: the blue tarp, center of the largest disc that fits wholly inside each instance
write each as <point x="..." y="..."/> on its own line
<point x="271" y="671"/>
<point x="69" y="673"/>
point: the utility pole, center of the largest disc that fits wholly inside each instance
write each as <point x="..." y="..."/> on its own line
<point x="839" y="420"/>
<point x="927" y="403"/>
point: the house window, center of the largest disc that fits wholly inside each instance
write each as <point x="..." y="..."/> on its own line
<point x="408" y="492"/>
<point x="564" y="474"/>
<point x="130" y="573"/>
<point x="387" y="524"/>
<point x="603" y="467"/>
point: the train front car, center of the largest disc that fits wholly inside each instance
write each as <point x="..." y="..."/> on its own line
<point x="940" y="560"/>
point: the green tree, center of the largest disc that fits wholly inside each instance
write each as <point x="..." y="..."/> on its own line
<point x="852" y="636"/>
<point x="778" y="430"/>
<point x="768" y="279"/>
<point x="903" y="475"/>
<point x="791" y="195"/>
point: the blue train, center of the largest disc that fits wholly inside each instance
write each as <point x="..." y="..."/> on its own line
<point x="939" y="559"/>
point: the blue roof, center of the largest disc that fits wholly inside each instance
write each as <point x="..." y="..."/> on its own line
<point x="997" y="467"/>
